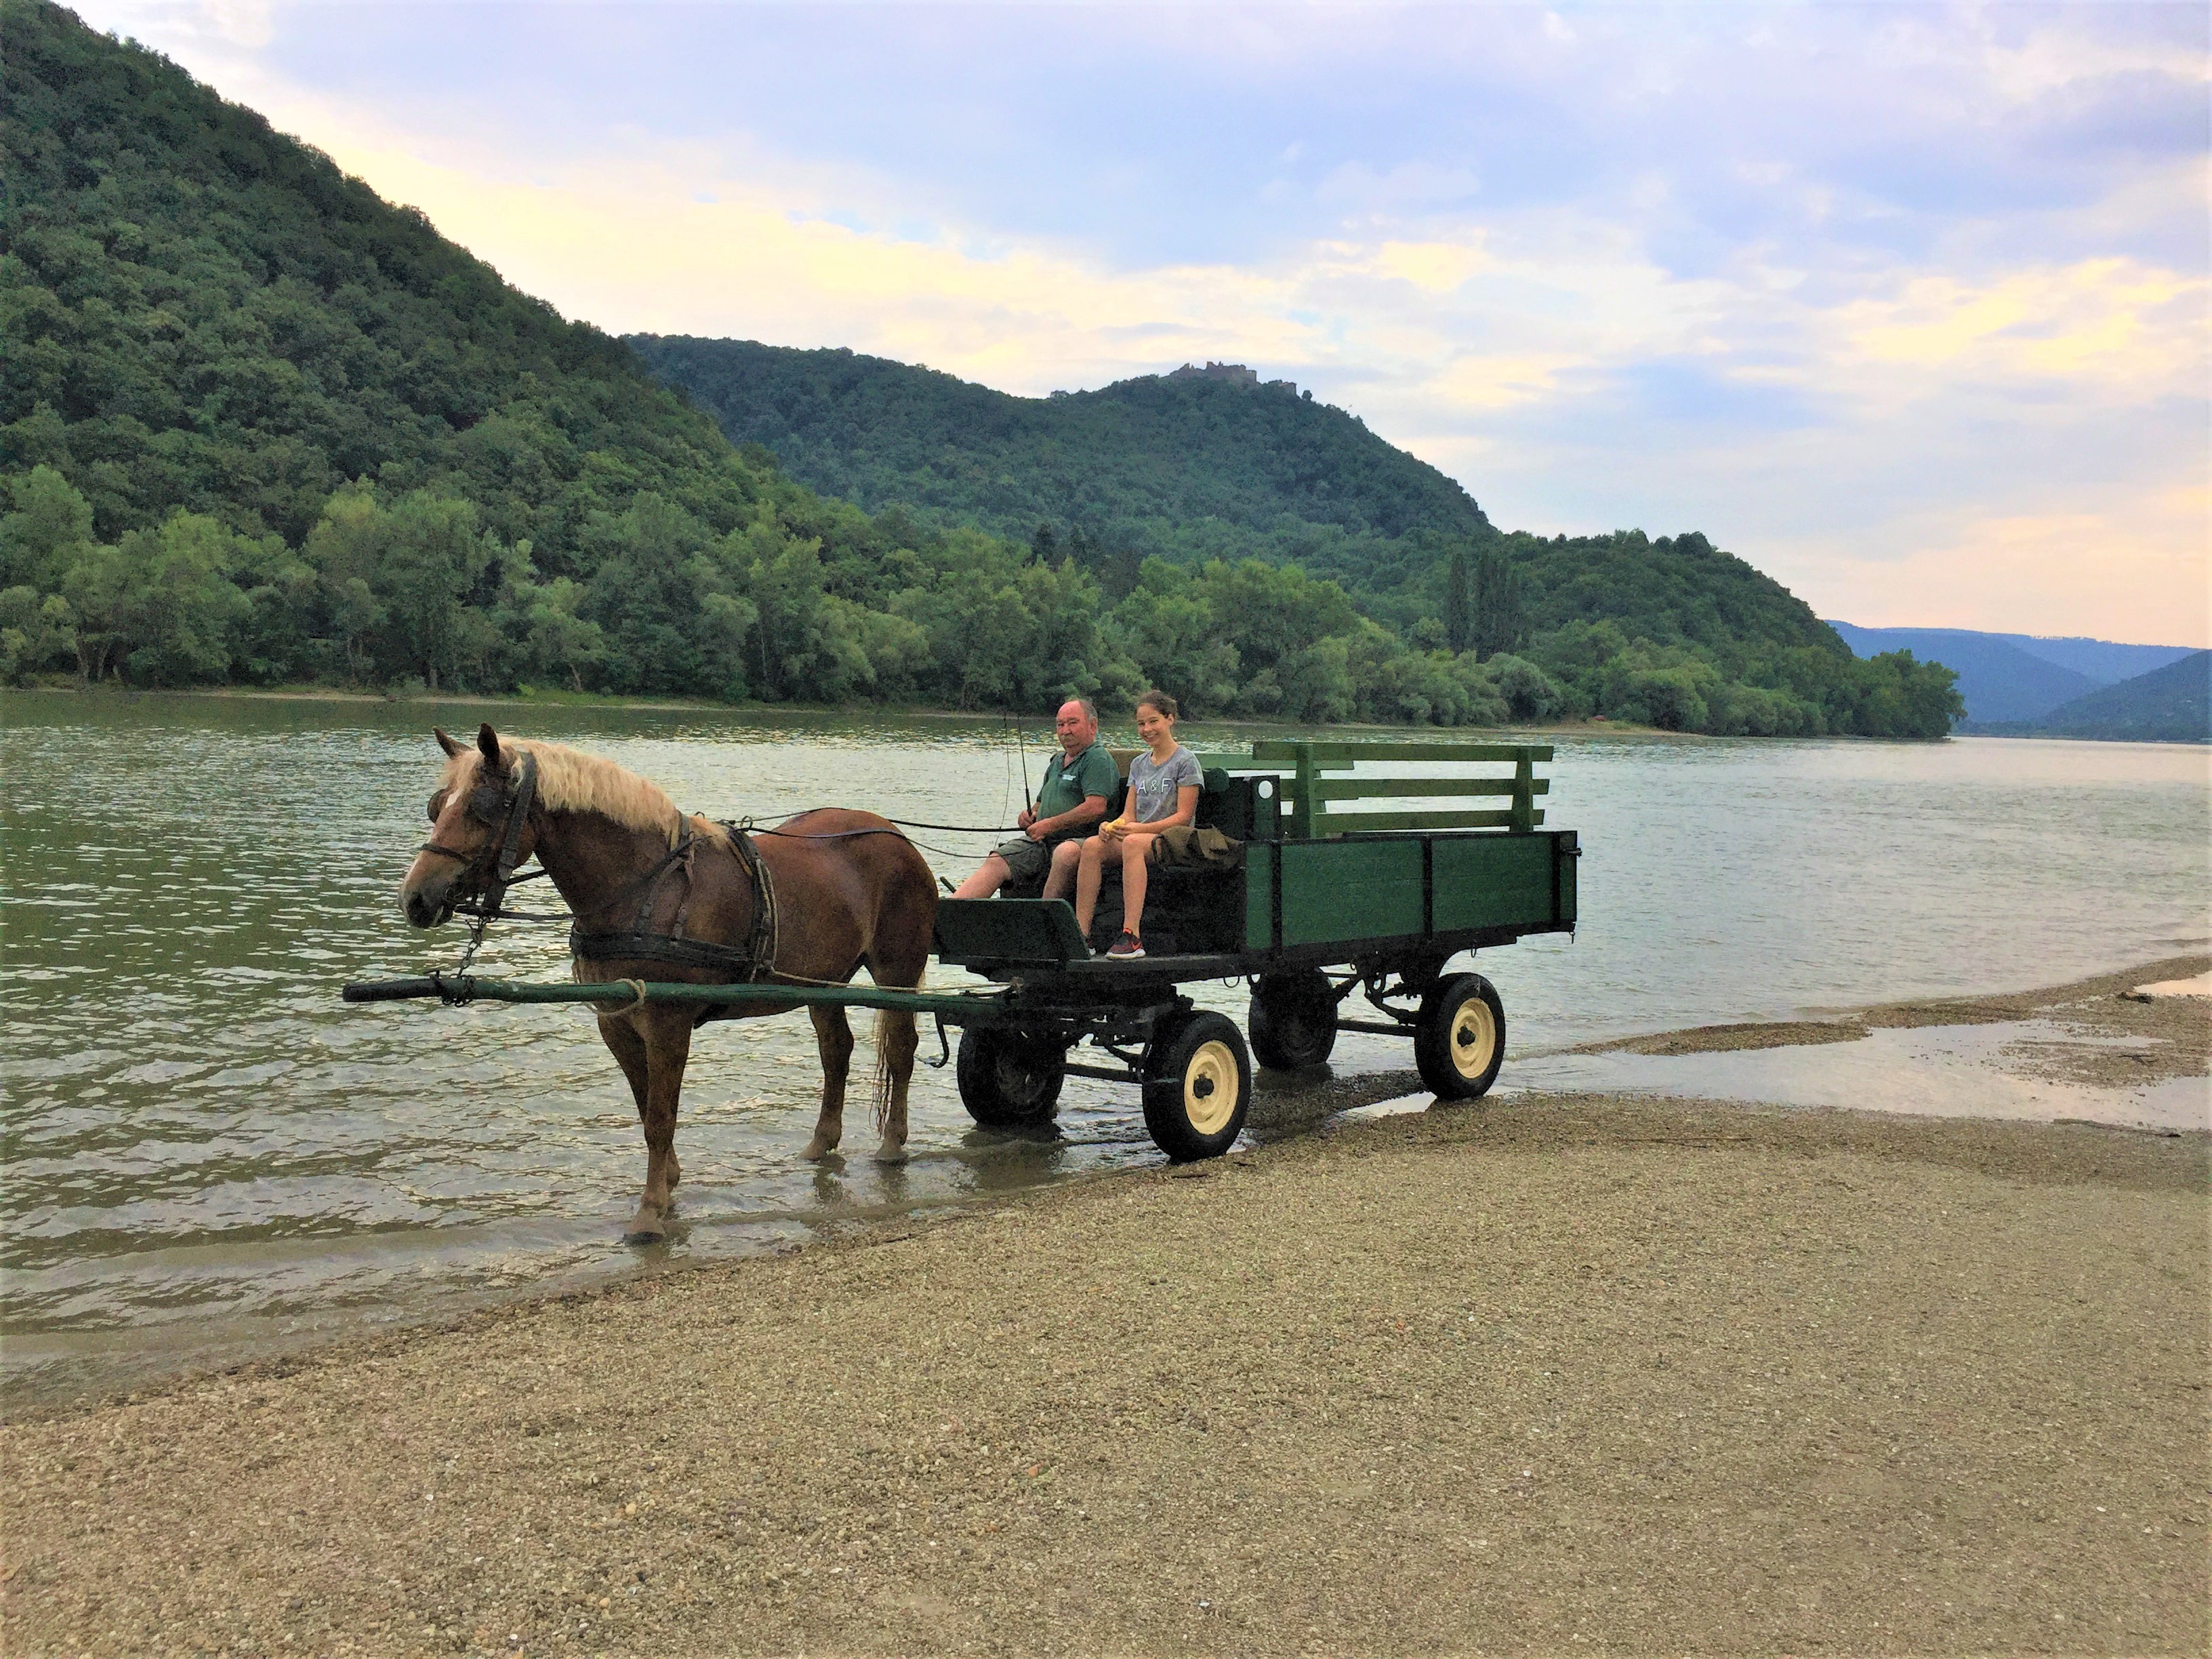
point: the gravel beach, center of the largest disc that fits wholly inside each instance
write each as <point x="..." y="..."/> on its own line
<point x="1560" y="1375"/>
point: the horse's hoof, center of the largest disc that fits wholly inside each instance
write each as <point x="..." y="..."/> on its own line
<point x="818" y="1148"/>
<point x="891" y="1152"/>
<point x="645" y="1227"/>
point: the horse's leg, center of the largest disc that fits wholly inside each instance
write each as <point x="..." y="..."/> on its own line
<point x="900" y="957"/>
<point x="896" y="1042"/>
<point x="628" y="1047"/>
<point x="667" y="1047"/>
<point x="833" y="1036"/>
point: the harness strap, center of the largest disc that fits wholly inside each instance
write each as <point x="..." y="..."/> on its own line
<point x="518" y="820"/>
<point x="631" y="946"/>
<point x="755" y="959"/>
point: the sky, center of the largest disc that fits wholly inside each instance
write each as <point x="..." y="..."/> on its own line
<point x="1909" y="306"/>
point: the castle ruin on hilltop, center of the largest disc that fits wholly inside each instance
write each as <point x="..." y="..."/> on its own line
<point x="1235" y="374"/>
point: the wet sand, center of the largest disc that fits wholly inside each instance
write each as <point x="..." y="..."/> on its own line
<point x="1557" y="1374"/>
<point x="2165" y="1038"/>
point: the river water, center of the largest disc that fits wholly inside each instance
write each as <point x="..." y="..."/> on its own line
<point x="206" y="1154"/>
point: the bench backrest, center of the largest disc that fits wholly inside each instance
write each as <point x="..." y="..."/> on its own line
<point x="1320" y="790"/>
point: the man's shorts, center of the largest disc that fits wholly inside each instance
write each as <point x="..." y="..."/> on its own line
<point x="1027" y="860"/>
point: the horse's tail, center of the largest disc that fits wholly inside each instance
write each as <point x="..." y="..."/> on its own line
<point x="896" y="1030"/>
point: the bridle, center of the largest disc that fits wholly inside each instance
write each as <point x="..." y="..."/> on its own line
<point x="489" y="872"/>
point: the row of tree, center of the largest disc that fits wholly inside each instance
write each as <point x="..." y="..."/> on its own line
<point x="413" y="589"/>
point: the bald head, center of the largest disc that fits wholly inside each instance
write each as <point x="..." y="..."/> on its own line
<point x="1077" y="724"/>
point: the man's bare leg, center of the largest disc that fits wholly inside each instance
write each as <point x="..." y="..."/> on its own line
<point x="990" y="875"/>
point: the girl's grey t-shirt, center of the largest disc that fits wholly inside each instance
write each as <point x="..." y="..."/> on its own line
<point x="1154" y="785"/>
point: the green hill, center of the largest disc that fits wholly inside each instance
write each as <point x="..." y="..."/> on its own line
<point x="2172" y="704"/>
<point x="1159" y="462"/>
<point x="258" y="425"/>
<point x="1200" y="466"/>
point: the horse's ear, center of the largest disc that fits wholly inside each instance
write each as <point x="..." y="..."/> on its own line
<point x="487" y="745"/>
<point x="445" y="742"/>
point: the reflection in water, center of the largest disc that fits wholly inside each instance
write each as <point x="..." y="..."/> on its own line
<point x="203" y="1149"/>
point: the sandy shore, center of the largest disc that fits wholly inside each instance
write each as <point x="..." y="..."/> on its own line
<point x="2112" y="1039"/>
<point x="1558" y="1375"/>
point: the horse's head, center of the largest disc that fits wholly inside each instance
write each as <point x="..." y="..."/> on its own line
<point x="482" y="828"/>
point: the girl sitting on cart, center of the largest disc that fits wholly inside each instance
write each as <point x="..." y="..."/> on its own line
<point x="1164" y="789"/>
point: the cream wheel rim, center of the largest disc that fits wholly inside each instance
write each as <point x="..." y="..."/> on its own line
<point x="1473" y="1038"/>
<point x="1209" y="1088"/>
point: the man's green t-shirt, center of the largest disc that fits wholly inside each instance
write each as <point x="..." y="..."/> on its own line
<point x="1067" y="783"/>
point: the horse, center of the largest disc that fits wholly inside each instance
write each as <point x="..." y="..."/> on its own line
<point x="658" y="894"/>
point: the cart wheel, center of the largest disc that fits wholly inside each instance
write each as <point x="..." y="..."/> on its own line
<point x="1293" y="1020"/>
<point x="1008" y="1079"/>
<point x="1460" y="1038"/>
<point x="1198" y="1085"/>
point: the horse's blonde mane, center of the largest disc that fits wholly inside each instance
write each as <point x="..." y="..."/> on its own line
<point x="570" y="781"/>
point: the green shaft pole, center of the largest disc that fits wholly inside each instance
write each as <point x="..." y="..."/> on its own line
<point x="466" y="988"/>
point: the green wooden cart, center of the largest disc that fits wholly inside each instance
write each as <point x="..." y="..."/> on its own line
<point x="1364" y="866"/>
<point x="1358" y="867"/>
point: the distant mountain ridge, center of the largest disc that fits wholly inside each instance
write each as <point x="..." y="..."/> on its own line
<point x="2101" y="662"/>
<point x="2014" y="677"/>
<point x="2172" y="704"/>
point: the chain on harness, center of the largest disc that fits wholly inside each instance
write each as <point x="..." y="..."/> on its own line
<point x="492" y="894"/>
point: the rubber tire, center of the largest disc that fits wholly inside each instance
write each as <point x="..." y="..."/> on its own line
<point x="1009" y="1079"/>
<point x="1181" y="1044"/>
<point x="1293" y="1020"/>
<point x="1446" y="1065"/>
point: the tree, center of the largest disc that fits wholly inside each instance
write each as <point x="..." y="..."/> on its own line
<point x="175" y="604"/>
<point x="33" y="631"/>
<point x="43" y="536"/>
<point x="1499" y="615"/>
<point x="431" y="562"/>
<point x="1459" y="605"/>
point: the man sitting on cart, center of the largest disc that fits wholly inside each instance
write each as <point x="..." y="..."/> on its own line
<point x="1072" y="798"/>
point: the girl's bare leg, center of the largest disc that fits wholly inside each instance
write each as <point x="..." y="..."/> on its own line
<point x="1087" y="878"/>
<point x="1133" y="850"/>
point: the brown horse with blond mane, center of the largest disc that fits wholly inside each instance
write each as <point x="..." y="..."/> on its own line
<point x="687" y="899"/>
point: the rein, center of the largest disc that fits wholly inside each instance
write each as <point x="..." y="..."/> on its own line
<point x="481" y="891"/>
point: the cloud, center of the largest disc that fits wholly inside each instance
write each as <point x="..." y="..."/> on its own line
<point x="2111" y="327"/>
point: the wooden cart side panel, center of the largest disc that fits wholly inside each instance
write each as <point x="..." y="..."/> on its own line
<point x="1259" y="895"/>
<point x="1350" y="890"/>
<point x="1495" y="881"/>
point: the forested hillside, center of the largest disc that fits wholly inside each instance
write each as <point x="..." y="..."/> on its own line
<point x="258" y="426"/>
<point x="1166" y="465"/>
<point x="1192" y="470"/>
<point x="2172" y="704"/>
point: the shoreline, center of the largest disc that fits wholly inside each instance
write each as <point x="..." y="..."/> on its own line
<point x="597" y="702"/>
<point x="1596" y="725"/>
<point x="2096" y="1011"/>
<point x="1616" y="1372"/>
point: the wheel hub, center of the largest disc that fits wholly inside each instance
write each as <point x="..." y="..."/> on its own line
<point x="1474" y="1036"/>
<point x="1209" y="1088"/>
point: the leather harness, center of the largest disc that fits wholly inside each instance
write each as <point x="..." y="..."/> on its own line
<point x="481" y="891"/>
<point x="637" y="943"/>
